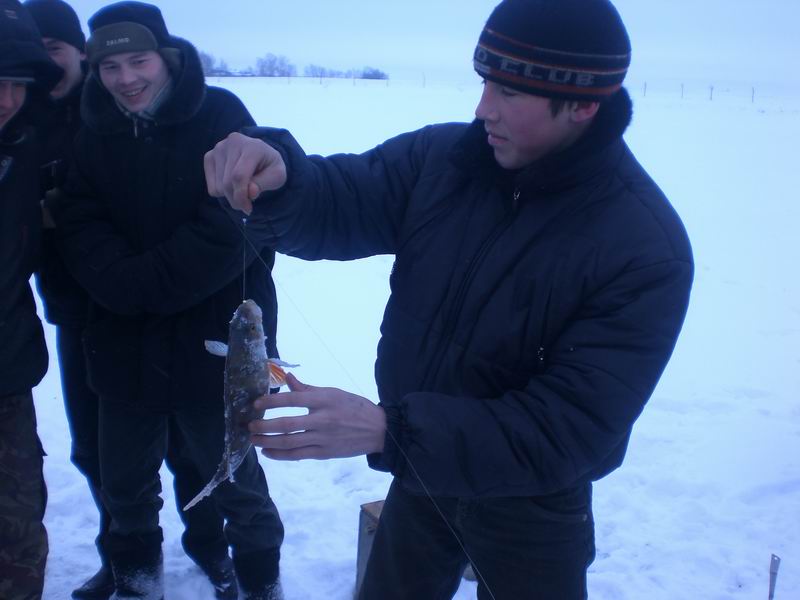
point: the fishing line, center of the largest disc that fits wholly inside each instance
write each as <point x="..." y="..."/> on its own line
<point x="244" y="260"/>
<point x="477" y="571"/>
<point x="478" y="574"/>
<point x="300" y="312"/>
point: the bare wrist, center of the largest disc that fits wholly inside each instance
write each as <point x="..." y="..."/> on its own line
<point x="380" y="431"/>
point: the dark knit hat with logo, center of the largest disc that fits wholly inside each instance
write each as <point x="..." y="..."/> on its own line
<point x="56" y="19"/>
<point x="570" y="49"/>
<point x="126" y="27"/>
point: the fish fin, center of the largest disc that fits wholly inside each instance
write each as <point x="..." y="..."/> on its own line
<point x="281" y="363"/>
<point x="217" y="348"/>
<point x="277" y="376"/>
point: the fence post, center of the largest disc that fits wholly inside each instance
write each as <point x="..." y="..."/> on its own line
<point x="681" y="91"/>
<point x="711" y="92"/>
<point x="644" y="89"/>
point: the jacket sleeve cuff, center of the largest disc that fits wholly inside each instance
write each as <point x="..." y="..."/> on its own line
<point x="392" y="459"/>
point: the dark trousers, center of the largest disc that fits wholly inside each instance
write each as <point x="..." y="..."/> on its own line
<point x="203" y="539"/>
<point x="23" y="496"/>
<point x="521" y="548"/>
<point x="133" y="443"/>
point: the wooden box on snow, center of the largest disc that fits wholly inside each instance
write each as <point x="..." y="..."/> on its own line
<point x="367" y="524"/>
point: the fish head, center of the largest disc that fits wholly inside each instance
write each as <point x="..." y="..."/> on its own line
<point x="246" y="321"/>
<point x="247" y="330"/>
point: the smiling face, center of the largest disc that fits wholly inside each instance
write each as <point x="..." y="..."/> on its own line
<point x="69" y="58"/>
<point x="521" y="128"/>
<point x="134" y="79"/>
<point x="12" y="97"/>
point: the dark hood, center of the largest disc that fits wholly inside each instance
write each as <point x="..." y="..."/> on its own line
<point x="100" y="112"/>
<point x="22" y="54"/>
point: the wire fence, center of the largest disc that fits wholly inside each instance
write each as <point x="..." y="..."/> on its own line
<point x="725" y="92"/>
<point x="783" y="96"/>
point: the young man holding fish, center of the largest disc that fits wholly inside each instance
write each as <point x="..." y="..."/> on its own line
<point x="165" y="269"/>
<point x="26" y="76"/>
<point x="540" y="283"/>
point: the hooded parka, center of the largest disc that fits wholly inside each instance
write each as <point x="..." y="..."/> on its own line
<point x="160" y="259"/>
<point x="531" y="313"/>
<point x="165" y="267"/>
<point x="23" y="354"/>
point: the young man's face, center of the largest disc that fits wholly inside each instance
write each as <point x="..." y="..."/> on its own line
<point x="134" y="78"/>
<point x="69" y="58"/>
<point x="521" y="128"/>
<point x="12" y="97"/>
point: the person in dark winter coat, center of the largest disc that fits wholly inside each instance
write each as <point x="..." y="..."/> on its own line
<point x="66" y="306"/>
<point x="26" y="76"/>
<point x="540" y="282"/>
<point x="139" y="232"/>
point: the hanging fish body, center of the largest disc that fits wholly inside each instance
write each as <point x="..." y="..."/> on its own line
<point x="249" y="374"/>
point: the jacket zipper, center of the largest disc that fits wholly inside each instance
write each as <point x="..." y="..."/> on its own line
<point x="458" y="302"/>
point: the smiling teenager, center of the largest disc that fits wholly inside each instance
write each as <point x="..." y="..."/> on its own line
<point x="66" y="306"/>
<point x="163" y="266"/>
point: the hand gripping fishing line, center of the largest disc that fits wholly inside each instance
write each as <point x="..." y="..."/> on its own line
<point x="247" y="242"/>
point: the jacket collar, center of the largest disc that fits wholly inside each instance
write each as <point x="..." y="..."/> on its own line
<point x="73" y="98"/>
<point x="592" y="154"/>
<point x="101" y="114"/>
<point x="67" y="109"/>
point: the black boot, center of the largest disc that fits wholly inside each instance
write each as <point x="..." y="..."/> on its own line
<point x="257" y="573"/>
<point x="222" y="576"/>
<point x="99" y="586"/>
<point x="273" y="591"/>
<point x="138" y="566"/>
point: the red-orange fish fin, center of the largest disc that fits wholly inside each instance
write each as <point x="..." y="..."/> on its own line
<point x="277" y="376"/>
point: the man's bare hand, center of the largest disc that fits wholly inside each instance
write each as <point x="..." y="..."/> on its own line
<point x="239" y="168"/>
<point x="338" y="424"/>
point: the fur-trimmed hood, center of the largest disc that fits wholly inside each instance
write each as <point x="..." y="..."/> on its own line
<point x="101" y="113"/>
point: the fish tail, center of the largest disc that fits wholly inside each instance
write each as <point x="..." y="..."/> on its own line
<point x="223" y="473"/>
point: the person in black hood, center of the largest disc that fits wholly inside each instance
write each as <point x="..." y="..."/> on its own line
<point x="26" y="76"/>
<point x="540" y="282"/>
<point x="135" y="228"/>
<point x="66" y="306"/>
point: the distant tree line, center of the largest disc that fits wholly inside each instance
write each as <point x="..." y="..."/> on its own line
<point x="271" y="65"/>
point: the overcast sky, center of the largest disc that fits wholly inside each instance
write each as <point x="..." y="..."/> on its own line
<point x="750" y="41"/>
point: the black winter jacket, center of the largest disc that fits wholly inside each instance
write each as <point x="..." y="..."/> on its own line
<point x="160" y="259"/>
<point x="65" y="301"/>
<point x="531" y="314"/>
<point x="23" y="353"/>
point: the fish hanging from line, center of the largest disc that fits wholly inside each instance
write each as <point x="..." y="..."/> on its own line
<point x="249" y="374"/>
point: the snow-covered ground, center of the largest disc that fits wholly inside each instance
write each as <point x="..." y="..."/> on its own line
<point x="711" y="484"/>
